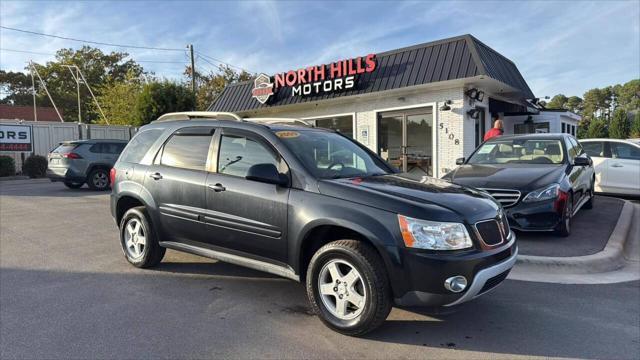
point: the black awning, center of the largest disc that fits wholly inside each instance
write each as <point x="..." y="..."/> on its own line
<point x="509" y="108"/>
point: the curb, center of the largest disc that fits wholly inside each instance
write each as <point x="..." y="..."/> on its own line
<point x="16" y="177"/>
<point x="611" y="258"/>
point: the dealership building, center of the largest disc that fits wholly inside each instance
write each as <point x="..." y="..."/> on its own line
<point x="419" y="107"/>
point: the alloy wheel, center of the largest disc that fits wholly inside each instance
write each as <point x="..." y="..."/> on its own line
<point x="135" y="238"/>
<point x="100" y="180"/>
<point x="342" y="289"/>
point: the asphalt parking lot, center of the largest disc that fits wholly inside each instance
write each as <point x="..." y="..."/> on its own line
<point x="590" y="230"/>
<point x="66" y="291"/>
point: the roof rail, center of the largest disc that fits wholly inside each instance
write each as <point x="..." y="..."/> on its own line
<point x="188" y="115"/>
<point x="270" y="121"/>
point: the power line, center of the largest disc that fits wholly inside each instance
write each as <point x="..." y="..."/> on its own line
<point x="90" y="42"/>
<point x="121" y="45"/>
<point x="144" y="61"/>
<point x="204" y="57"/>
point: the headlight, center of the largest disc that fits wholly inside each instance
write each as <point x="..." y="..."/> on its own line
<point x="423" y="234"/>
<point x="547" y="193"/>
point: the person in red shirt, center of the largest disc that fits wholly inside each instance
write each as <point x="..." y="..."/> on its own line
<point x="496" y="131"/>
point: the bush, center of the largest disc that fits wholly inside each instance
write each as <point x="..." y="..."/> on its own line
<point x="35" y="166"/>
<point x="597" y="129"/>
<point x="7" y="166"/>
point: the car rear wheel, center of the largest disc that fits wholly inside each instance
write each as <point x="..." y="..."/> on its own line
<point x="564" y="227"/>
<point x="139" y="243"/>
<point x="98" y="179"/>
<point x="73" y="185"/>
<point x="348" y="288"/>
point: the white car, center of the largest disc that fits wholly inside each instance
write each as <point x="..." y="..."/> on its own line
<point x="617" y="165"/>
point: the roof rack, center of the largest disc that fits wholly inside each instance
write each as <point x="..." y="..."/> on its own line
<point x="272" y="121"/>
<point x="188" y="115"/>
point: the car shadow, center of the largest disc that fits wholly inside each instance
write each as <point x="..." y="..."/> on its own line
<point x="217" y="268"/>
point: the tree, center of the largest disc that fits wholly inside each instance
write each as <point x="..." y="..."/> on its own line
<point x="597" y="102"/>
<point x="628" y="95"/>
<point x="118" y="100"/>
<point x="574" y="104"/>
<point x="619" y="127"/>
<point x="158" y="98"/>
<point x="98" y="69"/>
<point x="635" y="126"/>
<point x="17" y="87"/>
<point x="597" y="129"/>
<point x="210" y="85"/>
<point x="557" y="102"/>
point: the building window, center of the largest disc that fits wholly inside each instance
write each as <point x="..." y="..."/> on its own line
<point x="531" y="128"/>
<point x="480" y="128"/>
<point x="564" y="130"/>
<point x="342" y="124"/>
<point x="573" y="130"/>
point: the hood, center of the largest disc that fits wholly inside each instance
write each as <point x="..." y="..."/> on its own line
<point x="523" y="177"/>
<point x="416" y="196"/>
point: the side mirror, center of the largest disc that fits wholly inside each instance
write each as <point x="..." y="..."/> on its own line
<point x="460" y="161"/>
<point x="581" y="161"/>
<point x="266" y="173"/>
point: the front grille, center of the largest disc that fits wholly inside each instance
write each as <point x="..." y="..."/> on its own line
<point x="506" y="197"/>
<point x="490" y="232"/>
<point x="493" y="282"/>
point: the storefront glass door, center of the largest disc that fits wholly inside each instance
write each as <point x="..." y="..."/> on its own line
<point x="405" y="140"/>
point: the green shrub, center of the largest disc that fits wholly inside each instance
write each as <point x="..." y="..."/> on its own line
<point x="35" y="166"/>
<point x="7" y="166"/>
<point x="619" y="127"/>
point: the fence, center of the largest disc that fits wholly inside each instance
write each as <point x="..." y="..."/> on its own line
<point x="47" y="135"/>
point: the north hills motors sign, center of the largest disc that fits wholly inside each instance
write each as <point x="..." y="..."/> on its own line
<point x="327" y="78"/>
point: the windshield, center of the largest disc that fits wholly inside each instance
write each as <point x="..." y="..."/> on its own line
<point x="329" y="155"/>
<point x="519" y="151"/>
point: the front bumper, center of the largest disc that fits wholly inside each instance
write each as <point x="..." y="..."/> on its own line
<point x="484" y="270"/>
<point x="534" y="216"/>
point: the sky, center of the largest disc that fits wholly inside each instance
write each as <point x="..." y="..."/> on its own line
<point x="559" y="47"/>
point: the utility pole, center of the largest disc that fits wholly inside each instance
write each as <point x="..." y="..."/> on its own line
<point x="42" y="83"/>
<point x="193" y="73"/>
<point x="33" y="92"/>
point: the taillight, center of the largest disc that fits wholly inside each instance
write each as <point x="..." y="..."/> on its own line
<point x="71" y="156"/>
<point x="112" y="175"/>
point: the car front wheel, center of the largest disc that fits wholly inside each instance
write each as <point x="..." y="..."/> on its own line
<point x="348" y="288"/>
<point x="592" y="195"/>
<point x="564" y="227"/>
<point x="139" y="244"/>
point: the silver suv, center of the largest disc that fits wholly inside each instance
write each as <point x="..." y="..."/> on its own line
<point x="80" y="161"/>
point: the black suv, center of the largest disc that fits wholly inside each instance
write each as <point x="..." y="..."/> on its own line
<point x="310" y="205"/>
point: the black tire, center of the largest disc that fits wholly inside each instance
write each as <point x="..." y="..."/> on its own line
<point x="592" y="195"/>
<point x="151" y="253"/>
<point x="98" y="179"/>
<point x="73" y="185"/>
<point x="374" y="285"/>
<point x="564" y="227"/>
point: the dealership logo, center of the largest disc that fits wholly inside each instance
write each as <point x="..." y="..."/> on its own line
<point x="262" y="88"/>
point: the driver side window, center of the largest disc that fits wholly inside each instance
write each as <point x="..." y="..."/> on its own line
<point x="238" y="153"/>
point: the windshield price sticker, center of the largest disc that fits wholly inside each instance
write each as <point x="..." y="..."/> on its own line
<point x="486" y="149"/>
<point x="287" y="134"/>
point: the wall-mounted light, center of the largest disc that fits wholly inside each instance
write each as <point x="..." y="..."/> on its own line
<point x="446" y="106"/>
<point x="474" y="113"/>
<point x="475" y="94"/>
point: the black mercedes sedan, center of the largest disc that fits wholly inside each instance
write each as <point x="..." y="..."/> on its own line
<point x="541" y="180"/>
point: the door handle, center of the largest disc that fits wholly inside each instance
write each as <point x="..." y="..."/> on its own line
<point x="217" y="187"/>
<point x="617" y="165"/>
<point x="156" y="176"/>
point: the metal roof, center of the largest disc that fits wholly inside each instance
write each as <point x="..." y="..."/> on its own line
<point x="449" y="59"/>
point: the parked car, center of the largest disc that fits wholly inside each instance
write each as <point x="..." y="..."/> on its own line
<point x="617" y="165"/>
<point x="84" y="161"/>
<point x="541" y="180"/>
<point x="310" y="205"/>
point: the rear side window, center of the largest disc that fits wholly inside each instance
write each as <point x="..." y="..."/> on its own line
<point x="139" y="145"/>
<point x="64" y="148"/>
<point x="187" y="151"/>
<point x="96" y="148"/>
<point x="624" y="151"/>
<point x="113" y="148"/>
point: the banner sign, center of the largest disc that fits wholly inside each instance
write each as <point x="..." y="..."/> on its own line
<point x="327" y="78"/>
<point x="16" y="138"/>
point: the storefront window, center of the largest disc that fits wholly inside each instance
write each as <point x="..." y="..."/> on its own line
<point x="531" y="128"/>
<point x="342" y="124"/>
